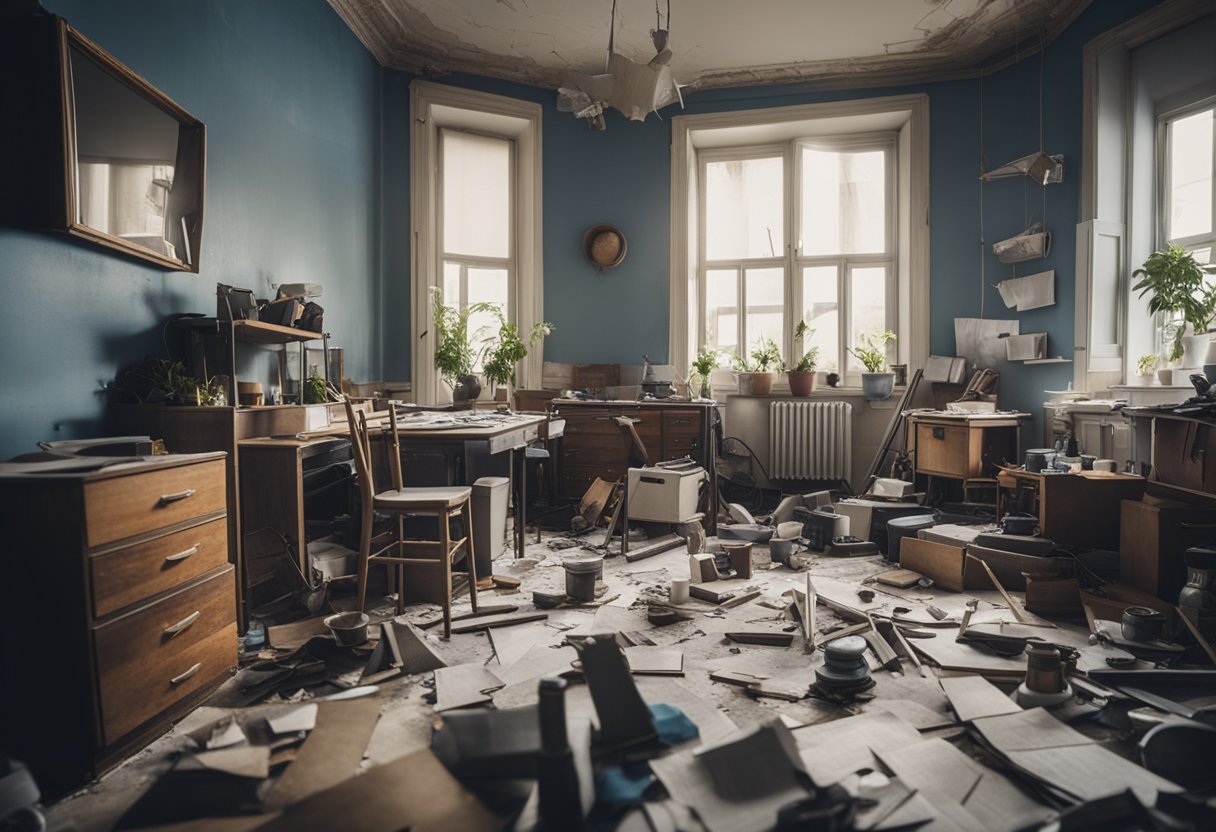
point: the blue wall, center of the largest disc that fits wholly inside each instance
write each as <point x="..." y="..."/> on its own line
<point x="291" y="103"/>
<point x="622" y="176"/>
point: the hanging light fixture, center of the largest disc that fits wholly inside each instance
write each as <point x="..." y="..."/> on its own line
<point x="633" y="88"/>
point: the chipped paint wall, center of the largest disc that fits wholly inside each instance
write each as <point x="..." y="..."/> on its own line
<point x="289" y="97"/>
<point x="622" y="176"/>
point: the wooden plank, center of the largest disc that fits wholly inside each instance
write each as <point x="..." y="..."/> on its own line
<point x="507" y="620"/>
<point x="661" y="545"/>
<point x="494" y="609"/>
<point x="1014" y="607"/>
<point x="767" y="638"/>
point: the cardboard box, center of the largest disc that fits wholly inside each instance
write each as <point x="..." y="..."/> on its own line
<point x="1053" y="596"/>
<point x="664" y="495"/>
<point x="954" y="535"/>
<point x="946" y="565"/>
<point x="1011" y="568"/>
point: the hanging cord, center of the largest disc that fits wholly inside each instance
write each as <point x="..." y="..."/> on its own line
<point x="981" y="108"/>
<point x="611" y="35"/>
<point x="1042" y="116"/>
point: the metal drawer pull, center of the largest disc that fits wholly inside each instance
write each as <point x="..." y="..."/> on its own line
<point x="177" y="680"/>
<point x="183" y="624"/>
<point x="193" y="550"/>
<point x="165" y="499"/>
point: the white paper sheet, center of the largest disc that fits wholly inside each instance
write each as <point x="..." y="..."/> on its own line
<point x="981" y="341"/>
<point x="1031" y="292"/>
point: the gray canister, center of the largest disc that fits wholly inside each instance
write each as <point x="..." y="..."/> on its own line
<point x="581" y="575"/>
<point x="900" y="527"/>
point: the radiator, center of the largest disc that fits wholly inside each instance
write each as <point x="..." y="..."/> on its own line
<point x="810" y="440"/>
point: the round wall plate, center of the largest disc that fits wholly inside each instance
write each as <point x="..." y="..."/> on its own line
<point x="605" y="245"/>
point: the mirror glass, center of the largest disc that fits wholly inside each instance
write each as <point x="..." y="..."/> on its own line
<point x="128" y="155"/>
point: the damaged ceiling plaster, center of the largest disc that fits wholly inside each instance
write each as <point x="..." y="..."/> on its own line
<point x="719" y="43"/>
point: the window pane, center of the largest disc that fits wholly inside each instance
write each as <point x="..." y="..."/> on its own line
<point x="722" y="309"/>
<point x="486" y="286"/>
<point x="868" y="305"/>
<point x="844" y="207"/>
<point x="451" y="284"/>
<point x="765" y="296"/>
<point x="821" y="311"/>
<point x="476" y="195"/>
<point x="744" y="209"/>
<point x="1190" y="198"/>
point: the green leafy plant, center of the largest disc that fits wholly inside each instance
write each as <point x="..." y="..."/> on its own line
<point x="809" y="359"/>
<point x="500" y="358"/>
<point x="176" y="386"/>
<point x="871" y="350"/>
<point x="741" y="362"/>
<point x="766" y="356"/>
<point x="314" y="388"/>
<point x="1178" y="286"/>
<point x="706" y="362"/>
<point x="454" y="350"/>
<point x="1147" y="365"/>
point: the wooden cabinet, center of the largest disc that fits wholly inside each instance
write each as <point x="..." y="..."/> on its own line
<point x="1154" y="535"/>
<point x="593" y="444"/>
<point x="1105" y="435"/>
<point x="123" y="602"/>
<point x="961" y="447"/>
<point x="1073" y="509"/>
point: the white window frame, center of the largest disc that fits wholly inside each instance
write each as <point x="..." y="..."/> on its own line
<point x="906" y="115"/>
<point x="1166" y="115"/>
<point x="434" y="107"/>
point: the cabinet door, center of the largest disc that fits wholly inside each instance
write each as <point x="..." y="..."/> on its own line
<point x="1089" y="433"/>
<point x="1120" y="445"/>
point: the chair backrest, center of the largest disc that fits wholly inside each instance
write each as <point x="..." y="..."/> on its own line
<point x="362" y="447"/>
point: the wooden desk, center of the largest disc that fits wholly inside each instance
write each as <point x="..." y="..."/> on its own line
<point x="962" y="447"/>
<point x="593" y="445"/>
<point x="1080" y="509"/>
<point x="121" y="605"/>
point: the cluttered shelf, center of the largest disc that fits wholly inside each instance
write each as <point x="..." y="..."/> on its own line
<point x="251" y="332"/>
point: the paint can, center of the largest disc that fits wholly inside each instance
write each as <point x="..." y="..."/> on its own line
<point x="678" y="594"/>
<point x="581" y="575"/>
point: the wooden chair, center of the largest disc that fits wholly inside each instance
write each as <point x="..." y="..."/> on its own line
<point x="442" y="503"/>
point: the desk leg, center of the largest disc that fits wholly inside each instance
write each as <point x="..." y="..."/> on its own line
<point x="624" y="515"/>
<point x="517" y="462"/>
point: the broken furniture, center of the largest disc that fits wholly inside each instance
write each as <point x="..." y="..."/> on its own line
<point x="119" y="582"/>
<point x="441" y="503"/>
<point x="963" y="446"/>
<point x="593" y="445"/>
<point x="1057" y="500"/>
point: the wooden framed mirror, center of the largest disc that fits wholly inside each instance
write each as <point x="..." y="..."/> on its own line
<point x="111" y="159"/>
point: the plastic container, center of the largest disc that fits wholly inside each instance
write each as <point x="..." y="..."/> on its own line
<point x="581" y="575"/>
<point x="349" y="628"/>
<point x="489" y="508"/>
<point x="900" y="527"/>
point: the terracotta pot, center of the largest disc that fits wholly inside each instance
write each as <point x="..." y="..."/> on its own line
<point x="762" y="384"/>
<point x="801" y="384"/>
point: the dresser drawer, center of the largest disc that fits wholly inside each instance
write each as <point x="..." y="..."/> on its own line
<point x="943" y="450"/>
<point x="122" y="507"/>
<point x="679" y="423"/>
<point x="126" y="576"/>
<point x="157" y="655"/>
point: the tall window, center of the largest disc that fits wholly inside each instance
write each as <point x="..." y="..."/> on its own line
<point x="478" y="224"/>
<point x="799" y="231"/>
<point x="1189" y="205"/>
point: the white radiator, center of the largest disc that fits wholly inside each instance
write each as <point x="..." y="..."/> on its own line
<point x="810" y="440"/>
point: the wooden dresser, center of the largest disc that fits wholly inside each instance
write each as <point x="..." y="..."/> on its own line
<point x="121" y="609"/>
<point x="593" y="445"/>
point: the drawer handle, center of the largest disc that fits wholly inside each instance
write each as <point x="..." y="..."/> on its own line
<point x="193" y="550"/>
<point x="165" y="499"/>
<point x="177" y="680"/>
<point x="174" y="629"/>
<point x="939" y="433"/>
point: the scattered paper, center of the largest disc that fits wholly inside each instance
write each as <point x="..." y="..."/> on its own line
<point x="303" y="718"/>
<point x="833" y="750"/>
<point x="1031" y="292"/>
<point x="973" y="697"/>
<point x="464" y="685"/>
<point x="981" y="340"/>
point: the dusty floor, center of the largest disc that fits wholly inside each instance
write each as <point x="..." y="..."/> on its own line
<point x="518" y="655"/>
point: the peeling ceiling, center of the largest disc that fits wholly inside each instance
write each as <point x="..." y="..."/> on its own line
<point x="722" y="43"/>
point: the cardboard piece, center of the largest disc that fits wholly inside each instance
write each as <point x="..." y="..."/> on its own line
<point x="295" y="721"/>
<point x="414" y="792"/>
<point x="945" y="565"/>
<point x="1052" y="595"/>
<point x="974" y="697"/>
<point x="740" y="785"/>
<point x="464" y="685"/>
<point x="332" y="752"/>
<point x="503" y="620"/>
<point x="833" y="750"/>
<point x="296" y="634"/>
<point x="1010" y="568"/>
<point x="701" y="568"/>
<point x="899" y="578"/>
<point x="654" y="661"/>
<point x="401" y="650"/>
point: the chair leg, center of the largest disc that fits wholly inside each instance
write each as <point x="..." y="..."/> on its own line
<point x="365" y="552"/>
<point x="445" y="540"/>
<point x="466" y="513"/>
<point x="400" y="550"/>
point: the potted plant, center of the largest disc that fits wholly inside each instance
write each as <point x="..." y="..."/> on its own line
<point x="705" y="363"/>
<point x="802" y="374"/>
<point x="454" y="351"/>
<point x="871" y="350"/>
<point x="1179" y="290"/>
<point x="1145" y="368"/>
<point x="766" y="363"/>
<point x="500" y="358"/>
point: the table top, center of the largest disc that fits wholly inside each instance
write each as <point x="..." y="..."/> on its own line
<point x="90" y="468"/>
<point x="995" y="419"/>
<point x="453" y="426"/>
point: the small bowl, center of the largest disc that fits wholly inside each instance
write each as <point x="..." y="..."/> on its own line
<point x="349" y="628"/>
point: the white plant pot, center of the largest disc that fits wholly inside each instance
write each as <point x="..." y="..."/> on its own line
<point x="1195" y="349"/>
<point x="1145" y="380"/>
<point x="745" y="384"/>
